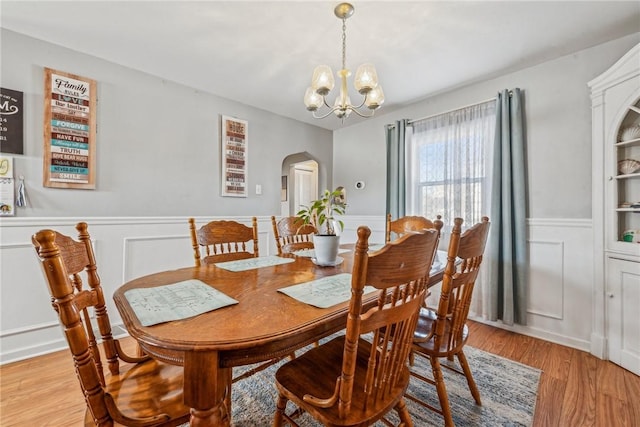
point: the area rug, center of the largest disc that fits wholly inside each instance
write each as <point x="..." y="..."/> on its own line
<point x="508" y="391"/>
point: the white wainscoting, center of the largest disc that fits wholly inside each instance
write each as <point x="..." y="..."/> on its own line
<point x="125" y="248"/>
<point x="559" y="304"/>
<point x="559" y="307"/>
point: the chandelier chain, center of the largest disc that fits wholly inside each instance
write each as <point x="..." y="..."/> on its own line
<point x="344" y="43"/>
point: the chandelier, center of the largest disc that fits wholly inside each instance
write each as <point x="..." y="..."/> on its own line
<point x="322" y="82"/>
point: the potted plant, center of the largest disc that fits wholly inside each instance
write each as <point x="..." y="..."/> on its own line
<point x="322" y="215"/>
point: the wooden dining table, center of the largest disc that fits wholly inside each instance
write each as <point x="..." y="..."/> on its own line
<point x="263" y="325"/>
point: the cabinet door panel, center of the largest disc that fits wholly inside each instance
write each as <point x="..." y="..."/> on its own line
<point x="623" y="281"/>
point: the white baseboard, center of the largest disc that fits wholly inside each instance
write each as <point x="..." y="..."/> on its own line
<point x="598" y="346"/>
<point x="539" y="333"/>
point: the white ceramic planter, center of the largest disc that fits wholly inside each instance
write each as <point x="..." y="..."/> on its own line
<point x="326" y="249"/>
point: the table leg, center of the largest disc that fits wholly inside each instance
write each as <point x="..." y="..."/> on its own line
<point x="205" y="389"/>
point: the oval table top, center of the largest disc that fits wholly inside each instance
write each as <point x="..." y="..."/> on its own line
<point x="262" y="314"/>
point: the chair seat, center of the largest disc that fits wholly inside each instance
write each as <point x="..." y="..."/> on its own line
<point x="138" y="394"/>
<point x="300" y="376"/>
<point x="424" y="329"/>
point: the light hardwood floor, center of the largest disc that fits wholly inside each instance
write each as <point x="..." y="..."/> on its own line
<point x="576" y="389"/>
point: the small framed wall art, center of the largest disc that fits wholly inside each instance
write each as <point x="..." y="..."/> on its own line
<point x="234" y="144"/>
<point x="11" y="121"/>
<point x="7" y="192"/>
<point x="69" y="131"/>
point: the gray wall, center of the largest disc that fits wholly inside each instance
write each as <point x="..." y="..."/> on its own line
<point x="558" y="118"/>
<point x="158" y="142"/>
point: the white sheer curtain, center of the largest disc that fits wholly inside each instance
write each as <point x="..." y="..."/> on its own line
<point x="448" y="164"/>
<point x="449" y="168"/>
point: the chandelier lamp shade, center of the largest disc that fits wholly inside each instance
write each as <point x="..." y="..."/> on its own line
<point x="365" y="82"/>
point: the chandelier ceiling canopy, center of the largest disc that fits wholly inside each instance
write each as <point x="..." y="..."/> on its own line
<point x="365" y="82"/>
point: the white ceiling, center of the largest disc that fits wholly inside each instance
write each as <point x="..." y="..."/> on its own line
<point x="262" y="53"/>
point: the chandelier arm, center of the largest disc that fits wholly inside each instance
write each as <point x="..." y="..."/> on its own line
<point x="363" y="115"/>
<point x="348" y="106"/>
<point x="355" y="108"/>
<point x="331" y="110"/>
<point x="361" y="104"/>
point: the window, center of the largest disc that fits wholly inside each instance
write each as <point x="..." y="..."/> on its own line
<point x="449" y="164"/>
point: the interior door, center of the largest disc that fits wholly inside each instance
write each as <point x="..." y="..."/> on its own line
<point x="306" y="185"/>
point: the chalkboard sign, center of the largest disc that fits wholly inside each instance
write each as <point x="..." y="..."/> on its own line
<point x="69" y="131"/>
<point x="11" y="121"/>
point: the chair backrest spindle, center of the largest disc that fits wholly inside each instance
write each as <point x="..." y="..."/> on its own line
<point x="224" y="241"/>
<point x="291" y="234"/>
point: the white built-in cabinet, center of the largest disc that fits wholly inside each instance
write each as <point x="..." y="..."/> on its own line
<point x="615" y="96"/>
<point x="623" y="305"/>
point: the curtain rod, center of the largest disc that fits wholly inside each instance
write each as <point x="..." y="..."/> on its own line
<point x="393" y="125"/>
<point x="452" y="110"/>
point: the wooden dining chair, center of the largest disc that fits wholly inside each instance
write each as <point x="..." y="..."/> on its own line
<point x="292" y="234"/>
<point x="357" y="378"/>
<point x="224" y="241"/>
<point x="141" y="391"/>
<point x="228" y="241"/>
<point x="406" y="224"/>
<point x="442" y="333"/>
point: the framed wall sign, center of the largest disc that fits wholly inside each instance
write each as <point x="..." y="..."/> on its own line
<point x="234" y="145"/>
<point x="69" y="131"/>
<point x="7" y="194"/>
<point x="11" y="121"/>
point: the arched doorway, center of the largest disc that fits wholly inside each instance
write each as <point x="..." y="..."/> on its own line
<point x="299" y="182"/>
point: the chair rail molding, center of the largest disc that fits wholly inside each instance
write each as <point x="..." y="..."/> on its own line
<point x="128" y="247"/>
